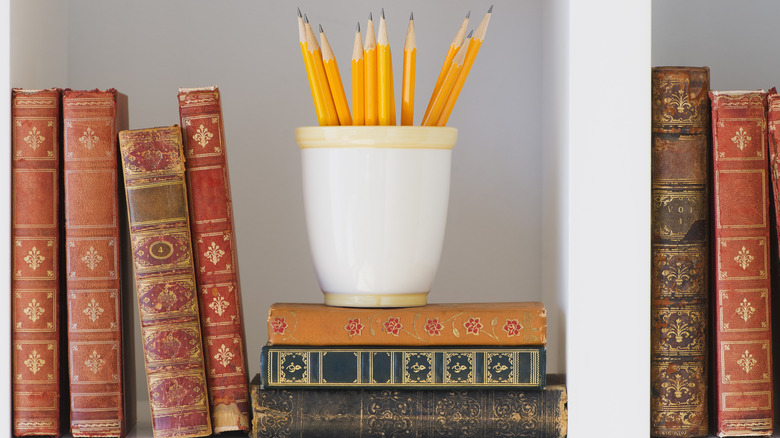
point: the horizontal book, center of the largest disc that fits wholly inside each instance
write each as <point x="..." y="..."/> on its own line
<point x="516" y="323"/>
<point x="418" y="413"/>
<point x="432" y="367"/>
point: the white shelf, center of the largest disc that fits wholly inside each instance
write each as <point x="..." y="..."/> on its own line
<point x="550" y="191"/>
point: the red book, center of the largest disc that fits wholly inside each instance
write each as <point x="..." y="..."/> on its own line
<point x="35" y="262"/>
<point x="743" y="341"/>
<point x="92" y="263"/>
<point x="153" y="167"/>
<point x="214" y="243"/>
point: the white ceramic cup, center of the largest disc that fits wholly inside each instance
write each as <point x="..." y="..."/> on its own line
<point x="376" y="200"/>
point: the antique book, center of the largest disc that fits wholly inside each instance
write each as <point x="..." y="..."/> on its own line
<point x="92" y="263"/>
<point x="36" y="255"/>
<point x="216" y="264"/>
<point x="421" y="367"/>
<point x="743" y="336"/>
<point x="520" y="323"/>
<point x="421" y="413"/>
<point x="679" y="251"/>
<point x="153" y="167"/>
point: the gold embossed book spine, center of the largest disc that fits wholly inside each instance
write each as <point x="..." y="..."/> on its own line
<point x="35" y="283"/>
<point x="216" y="264"/>
<point x="92" y="263"/>
<point x="153" y="167"/>
<point x="680" y="251"/>
<point x="743" y="341"/>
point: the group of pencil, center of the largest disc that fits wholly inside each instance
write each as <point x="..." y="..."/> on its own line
<point x="373" y="96"/>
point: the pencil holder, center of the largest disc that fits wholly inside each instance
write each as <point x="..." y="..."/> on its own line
<point x="376" y="200"/>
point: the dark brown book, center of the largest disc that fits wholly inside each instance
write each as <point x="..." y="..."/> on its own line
<point x="680" y="251"/>
<point x="153" y="166"/>
<point x="36" y="255"/>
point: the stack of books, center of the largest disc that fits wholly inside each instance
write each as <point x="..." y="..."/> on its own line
<point x="438" y="370"/>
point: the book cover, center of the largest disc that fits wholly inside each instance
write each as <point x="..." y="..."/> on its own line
<point x="153" y="167"/>
<point x="743" y="342"/>
<point x="421" y="413"/>
<point x="680" y="251"/>
<point x="36" y="257"/>
<point x="518" y="323"/>
<point x="216" y="263"/>
<point x="92" y="261"/>
<point x="378" y="367"/>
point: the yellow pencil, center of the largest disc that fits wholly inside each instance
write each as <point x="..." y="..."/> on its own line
<point x="319" y="103"/>
<point x="471" y="55"/>
<point x="407" y="90"/>
<point x="358" y="82"/>
<point x="385" y="75"/>
<point x="321" y="77"/>
<point x="437" y="104"/>
<point x="457" y="42"/>
<point x="371" y="75"/>
<point x="334" y="81"/>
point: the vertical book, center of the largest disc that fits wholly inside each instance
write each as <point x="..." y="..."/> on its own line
<point x="153" y="166"/>
<point x="35" y="283"/>
<point x="216" y="264"/>
<point x="680" y="251"/>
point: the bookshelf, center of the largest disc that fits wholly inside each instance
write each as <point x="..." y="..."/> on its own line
<point x="549" y="197"/>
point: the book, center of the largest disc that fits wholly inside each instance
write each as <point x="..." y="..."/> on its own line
<point x="216" y="263"/>
<point x="743" y="341"/>
<point x="156" y="197"/>
<point x="679" y="251"/>
<point x="36" y="256"/>
<point x="378" y="367"/>
<point x="92" y="261"/>
<point x="421" y="413"/>
<point x="519" y="323"/>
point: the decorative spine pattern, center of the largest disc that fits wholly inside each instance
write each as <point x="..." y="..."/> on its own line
<point x="680" y="251"/>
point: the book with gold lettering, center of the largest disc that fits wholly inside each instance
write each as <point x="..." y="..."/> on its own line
<point x="153" y="166"/>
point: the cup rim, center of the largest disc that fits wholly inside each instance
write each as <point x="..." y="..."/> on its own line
<point x="404" y="137"/>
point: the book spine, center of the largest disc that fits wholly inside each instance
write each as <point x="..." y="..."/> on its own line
<point x="35" y="284"/>
<point x="153" y="167"/>
<point x="420" y="413"/>
<point x="446" y="324"/>
<point x="679" y="251"/>
<point x="432" y="367"/>
<point x="92" y="263"/>
<point x="743" y="342"/>
<point x="216" y="264"/>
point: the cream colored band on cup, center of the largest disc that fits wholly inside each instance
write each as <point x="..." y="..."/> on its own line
<point x="376" y="300"/>
<point x="403" y="137"/>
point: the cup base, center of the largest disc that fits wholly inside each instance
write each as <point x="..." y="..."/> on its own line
<point x="376" y="300"/>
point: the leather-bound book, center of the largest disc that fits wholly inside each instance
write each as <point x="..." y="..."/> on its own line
<point x="216" y="263"/>
<point x="680" y="251"/>
<point x="743" y="341"/>
<point x="421" y="413"/>
<point x="36" y="245"/>
<point x="514" y="323"/>
<point x="153" y="166"/>
<point x="92" y="260"/>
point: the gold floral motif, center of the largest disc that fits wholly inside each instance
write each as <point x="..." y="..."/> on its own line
<point x="34" y="138"/>
<point x="458" y="368"/>
<point x="89" y="139"/>
<point x="680" y="101"/>
<point x="93" y="310"/>
<point x="744" y="258"/>
<point x="417" y="367"/>
<point x="677" y="273"/>
<point x="747" y="362"/>
<point x="678" y="386"/>
<point x="224" y="356"/>
<point x="34" y="258"/>
<point x="218" y="304"/>
<point x="293" y="367"/>
<point x="741" y="139"/>
<point x="91" y="258"/>
<point x="214" y="253"/>
<point x="745" y="310"/>
<point x="95" y="362"/>
<point x="679" y="329"/>
<point x="167" y="297"/>
<point x="34" y="310"/>
<point x="34" y="362"/>
<point x="499" y="368"/>
<point x="202" y="136"/>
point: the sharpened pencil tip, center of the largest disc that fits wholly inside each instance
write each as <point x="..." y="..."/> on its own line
<point x="306" y="18"/>
<point x="321" y="29"/>
<point x="470" y="34"/>
<point x="383" y="13"/>
<point x="411" y="16"/>
<point x="299" y="12"/>
<point x="370" y="16"/>
<point x="468" y="14"/>
<point x="358" y="27"/>
<point x="490" y="11"/>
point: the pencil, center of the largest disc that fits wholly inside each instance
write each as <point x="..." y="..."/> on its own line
<point x="384" y="75"/>
<point x="319" y="104"/>
<point x="471" y="55"/>
<point x="438" y="101"/>
<point x="407" y="88"/>
<point x="320" y="75"/>
<point x="371" y="75"/>
<point x="334" y="81"/>
<point x="358" y="81"/>
<point x="457" y="42"/>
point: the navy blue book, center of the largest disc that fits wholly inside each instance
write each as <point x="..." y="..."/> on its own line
<point x="386" y="367"/>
